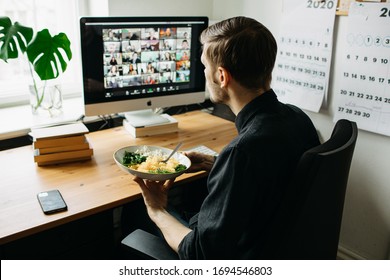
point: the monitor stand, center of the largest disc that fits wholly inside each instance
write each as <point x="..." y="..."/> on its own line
<point x="147" y="123"/>
<point x="144" y="118"/>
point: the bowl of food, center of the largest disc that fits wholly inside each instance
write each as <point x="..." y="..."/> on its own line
<point x="146" y="162"/>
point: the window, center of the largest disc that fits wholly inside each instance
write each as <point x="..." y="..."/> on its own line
<point x="55" y="15"/>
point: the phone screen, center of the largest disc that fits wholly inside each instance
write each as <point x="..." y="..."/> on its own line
<point x="51" y="202"/>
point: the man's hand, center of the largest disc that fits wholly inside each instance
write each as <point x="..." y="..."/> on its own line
<point x="199" y="162"/>
<point x="155" y="194"/>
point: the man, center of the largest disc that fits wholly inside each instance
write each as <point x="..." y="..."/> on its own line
<point x="248" y="179"/>
<point x="135" y="59"/>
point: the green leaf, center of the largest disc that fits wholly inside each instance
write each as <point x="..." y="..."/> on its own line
<point x="130" y="158"/>
<point x="42" y="52"/>
<point x="180" y="167"/>
<point x="11" y="36"/>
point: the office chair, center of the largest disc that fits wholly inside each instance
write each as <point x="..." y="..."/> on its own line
<point x="307" y="225"/>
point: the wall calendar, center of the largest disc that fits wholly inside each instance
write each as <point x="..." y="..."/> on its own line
<point x="364" y="93"/>
<point x="303" y="61"/>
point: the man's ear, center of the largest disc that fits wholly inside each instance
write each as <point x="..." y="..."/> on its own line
<point x="223" y="76"/>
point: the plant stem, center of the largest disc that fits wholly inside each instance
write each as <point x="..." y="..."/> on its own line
<point x="38" y="97"/>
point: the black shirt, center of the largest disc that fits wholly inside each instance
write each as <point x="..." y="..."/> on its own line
<point x="248" y="180"/>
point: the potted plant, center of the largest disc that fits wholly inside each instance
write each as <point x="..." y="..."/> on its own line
<point x="45" y="60"/>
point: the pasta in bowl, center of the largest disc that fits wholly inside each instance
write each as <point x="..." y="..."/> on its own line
<point x="146" y="162"/>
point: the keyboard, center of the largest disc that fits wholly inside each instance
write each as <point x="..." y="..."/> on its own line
<point x="203" y="149"/>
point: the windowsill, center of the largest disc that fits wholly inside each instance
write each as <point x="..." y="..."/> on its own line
<point x="17" y="121"/>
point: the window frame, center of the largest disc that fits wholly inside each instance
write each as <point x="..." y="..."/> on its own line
<point x="14" y="91"/>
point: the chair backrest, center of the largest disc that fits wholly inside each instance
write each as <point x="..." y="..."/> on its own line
<point x="308" y="224"/>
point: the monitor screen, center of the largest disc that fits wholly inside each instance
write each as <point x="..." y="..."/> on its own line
<point x="135" y="63"/>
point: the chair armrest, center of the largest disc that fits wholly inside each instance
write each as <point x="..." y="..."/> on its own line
<point x="149" y="246"/>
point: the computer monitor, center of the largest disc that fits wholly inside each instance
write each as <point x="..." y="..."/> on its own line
<point x="135" y="63"/>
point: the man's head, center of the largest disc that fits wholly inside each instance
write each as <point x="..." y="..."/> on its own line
<point x="244" y="47"/>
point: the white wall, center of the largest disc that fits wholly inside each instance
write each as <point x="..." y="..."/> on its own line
<point x="161" y="8"/>
<point x="93" y="7"/>
<point x="366" y="221"/>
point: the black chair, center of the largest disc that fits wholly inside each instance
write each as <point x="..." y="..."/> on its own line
<point x="307" y="226"/>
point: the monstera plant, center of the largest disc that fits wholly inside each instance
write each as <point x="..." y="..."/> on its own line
<point x="42" y="51"/>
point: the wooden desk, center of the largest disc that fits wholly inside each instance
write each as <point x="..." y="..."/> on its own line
<point x="93" y="186"/>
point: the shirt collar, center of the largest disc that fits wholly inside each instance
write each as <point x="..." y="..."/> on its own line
<point x="264" y="102"/>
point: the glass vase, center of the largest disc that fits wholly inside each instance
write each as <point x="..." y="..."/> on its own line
<point x="46" y="100"/>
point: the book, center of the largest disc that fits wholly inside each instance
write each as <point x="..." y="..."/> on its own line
<point x="58" y="142"/>
<point x="61" y="143"/>
<point x="155" y="129"/>
<point x="59" y="131"/>
<point x="59" y="135"/>
<point x="67" y="148"/>
<point x="45" y="163"/>
<point x="60" y="157"/>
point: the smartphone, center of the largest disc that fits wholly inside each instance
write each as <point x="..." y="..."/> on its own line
<point x="52" y="202"/>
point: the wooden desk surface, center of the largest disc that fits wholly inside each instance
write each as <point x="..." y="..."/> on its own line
<point x="91" y="186"/>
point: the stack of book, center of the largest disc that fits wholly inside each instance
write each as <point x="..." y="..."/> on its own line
<point x="166" y="124"/>
<point x="62" y="143"/>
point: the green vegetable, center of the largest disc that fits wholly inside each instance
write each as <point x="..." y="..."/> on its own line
<point x="180" y="167"/>
<point x="131" y="158"/>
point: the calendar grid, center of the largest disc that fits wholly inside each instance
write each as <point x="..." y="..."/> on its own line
<point x="364" y="93"/>
<point x="302" y="65"/>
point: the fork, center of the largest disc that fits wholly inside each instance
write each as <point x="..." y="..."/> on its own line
<point x="173" y="152"/>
